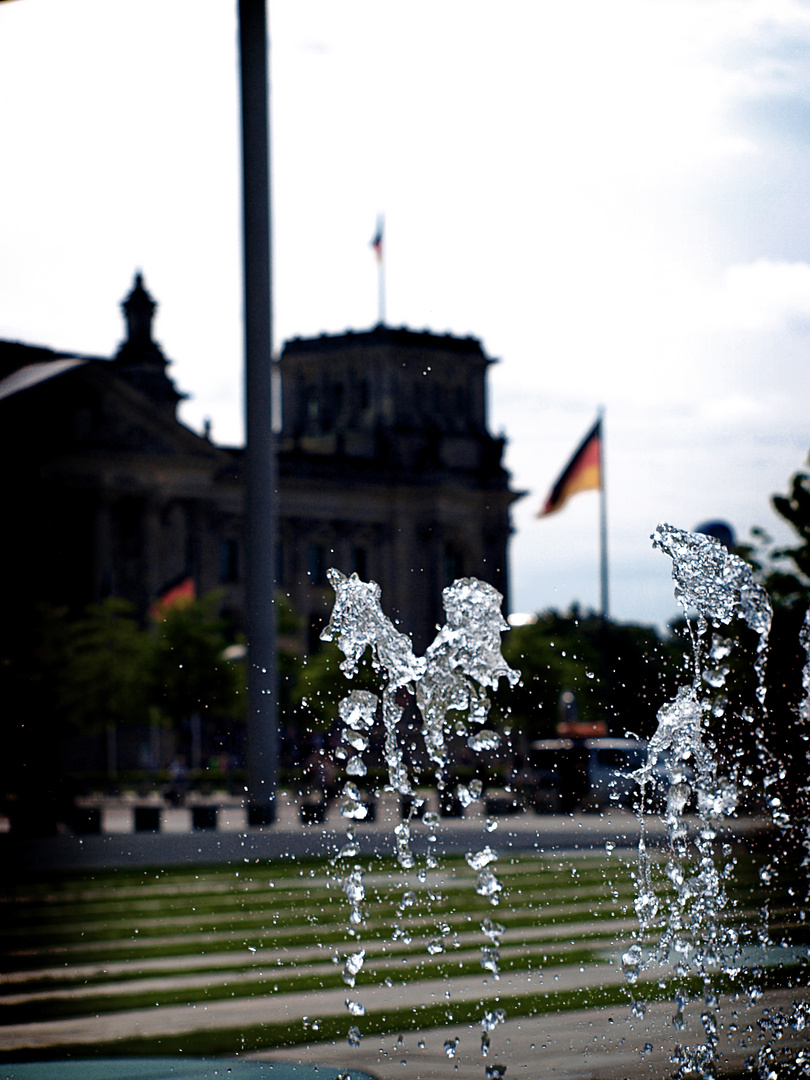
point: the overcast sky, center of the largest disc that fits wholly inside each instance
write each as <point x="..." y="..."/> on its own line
<point x="612" y="196"/>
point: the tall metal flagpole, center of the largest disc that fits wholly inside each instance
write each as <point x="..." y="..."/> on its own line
<point x="603" y="552"/>
<point x="381" y="290"/>
<point x="378" y="243"/>
<point x="261" y="467"/>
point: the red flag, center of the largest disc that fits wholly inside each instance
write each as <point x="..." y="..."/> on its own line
<point x="583" y="471"/>
<point x="178" y="595"/>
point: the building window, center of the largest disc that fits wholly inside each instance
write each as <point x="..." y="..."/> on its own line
<point x="316" y="564"/>
<point x="313" y="405"/>
<point x="228" y="560"/>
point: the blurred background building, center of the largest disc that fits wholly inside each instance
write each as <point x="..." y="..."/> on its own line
<point x="386" y="467"/>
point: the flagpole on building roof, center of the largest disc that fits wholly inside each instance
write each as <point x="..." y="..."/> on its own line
<point x="378" y="244"/>
<point x="261" y="466"/>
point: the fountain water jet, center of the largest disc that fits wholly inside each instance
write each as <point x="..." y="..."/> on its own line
<point x="462" y="662"/>
<point x="694" y="934"/>
<point x="692" y="915"/>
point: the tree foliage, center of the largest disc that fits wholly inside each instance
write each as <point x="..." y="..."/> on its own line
<point x="619" y="673"/>
<point x="188" y="671"/>
<point x="784" y="570"/>
<point x="103" y="669"/>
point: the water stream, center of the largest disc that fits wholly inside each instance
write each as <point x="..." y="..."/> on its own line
<point x="687" y="932"/>
<point x="449" y="685"/>
<point x="688" y="926"/>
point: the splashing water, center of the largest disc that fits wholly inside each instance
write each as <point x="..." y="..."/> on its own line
<point x="450" y="1047"/>
<point x="358" y="623"/>
<point x="489" y="1021"/>
<point x="687" y="921"/>
<point x="719" y="585"/>
<point x="463" y="661"/>
<point x="692" y="935"/>
<point x="804" y="640"/>
<point x="354" y="962"/>
<point x="804" y="735"/>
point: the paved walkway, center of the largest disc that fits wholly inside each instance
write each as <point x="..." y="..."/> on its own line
<point x="597" y="1043"/>
<point x="589" y="1044"/>
<point x="600" y="1044"/>
<point x="293" y="1008"/>
<point x="290" y="1008"/>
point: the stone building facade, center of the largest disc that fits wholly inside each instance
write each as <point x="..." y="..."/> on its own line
<point x="386" y="468"/>
<point x="107" y="493"/>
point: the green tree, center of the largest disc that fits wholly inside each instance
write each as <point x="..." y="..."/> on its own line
<point x="105" y="668"/>
<point x="619" y="673"/>
<point x="32" y="722"/>
<point x="320" y="685"/>
<point x="784" y="570"/>
<point x="189" y="672"/>
<point x="86" y="675"/>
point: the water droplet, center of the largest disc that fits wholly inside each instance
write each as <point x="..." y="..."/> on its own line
<point x="356" y="767"/>
<point x="450" y="1047"/>
<point x="490" y="1020"/>
<point x="484" y="740"/>
<point x="488" y="885"/>
<point x="356" y="740"/>
<point x="494" y="931"/>
<point x="479" y="859"/>
<point x="490" y="957"/>
<point x="631" y="962"/>
<point x="354" y="963"/>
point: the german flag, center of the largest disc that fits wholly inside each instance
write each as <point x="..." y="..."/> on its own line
<point x="179" y="594"/>
<point x="582" y="473"/>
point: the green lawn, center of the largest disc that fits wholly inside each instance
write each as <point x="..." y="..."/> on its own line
<point x="89" y="945"/>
